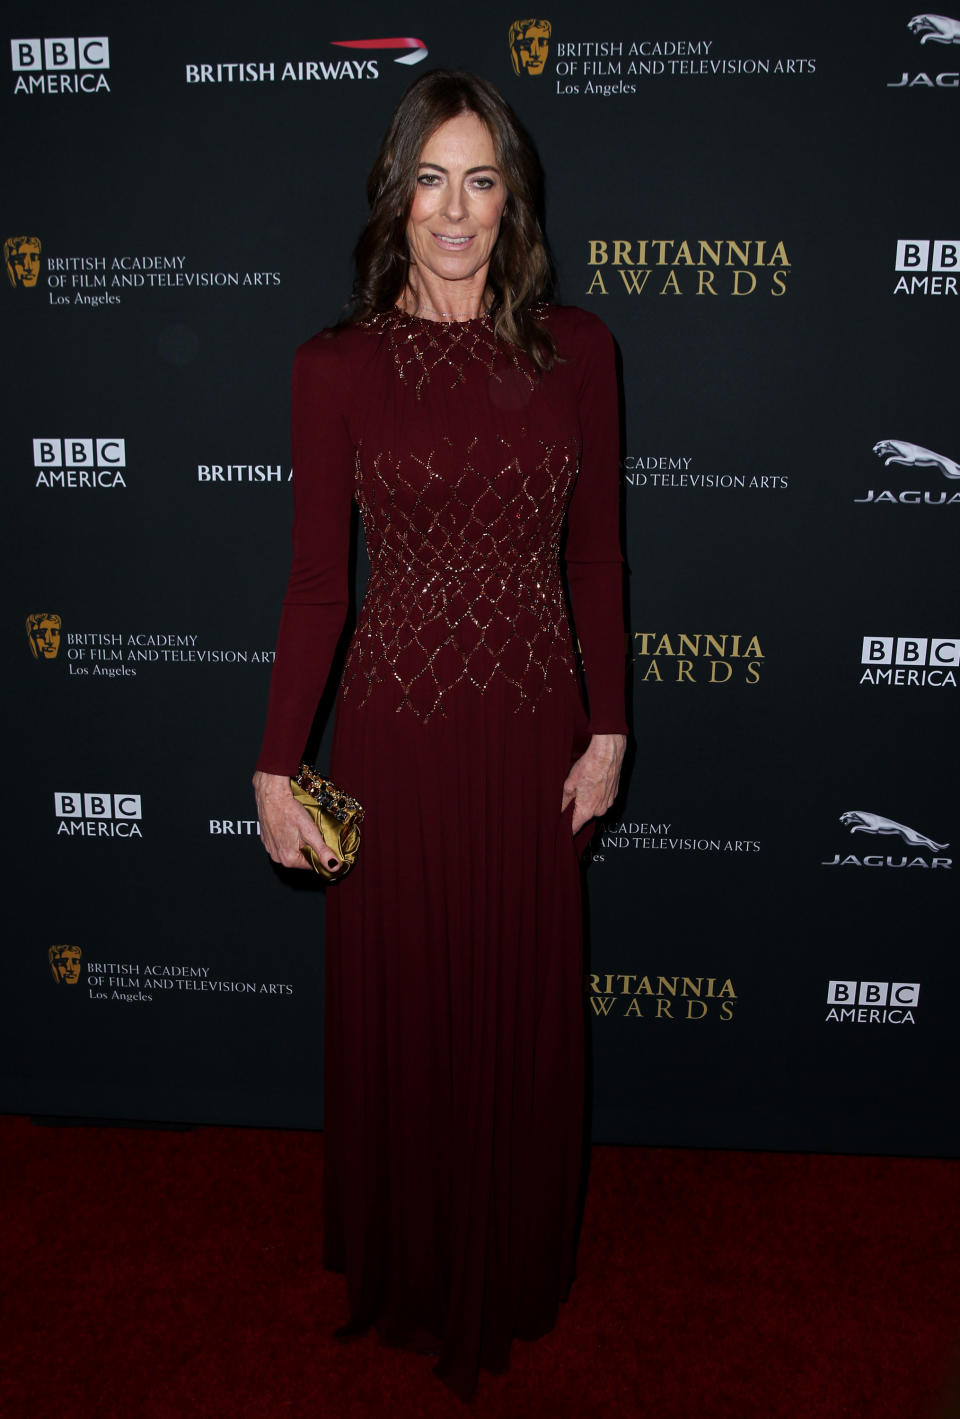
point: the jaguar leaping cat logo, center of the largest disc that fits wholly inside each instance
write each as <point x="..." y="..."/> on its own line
<point x="939" y="29"/>
<point x="886" y="827"/>
<point x="911" y="455"/>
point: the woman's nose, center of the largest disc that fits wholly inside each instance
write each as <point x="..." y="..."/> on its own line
<point x="454" y="206"/>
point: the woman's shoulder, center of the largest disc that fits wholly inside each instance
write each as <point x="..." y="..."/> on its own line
<point x="334" y="363"/>
<point x="334" y="350"/>
<point x="574" y="329"/>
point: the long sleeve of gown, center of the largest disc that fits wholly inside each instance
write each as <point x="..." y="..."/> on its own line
<point x="316" y="598"/>
<point x="593" y="551"/>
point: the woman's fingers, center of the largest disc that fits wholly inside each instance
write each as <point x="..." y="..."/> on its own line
<point x="593" y="780"/>
<point x="297" y="832"/>
<point x="312" y="837"/>
<point x="305" y="833"/>
<point x="286" y="827"/>
<point x="589" y="805"/>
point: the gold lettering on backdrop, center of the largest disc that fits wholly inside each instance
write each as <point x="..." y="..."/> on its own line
<point x="700" y="643"/>
<point x="622" y="253"/>
<point x="743" y="258"/>
<point x="720" y="651"/>
<point x="602" y="1004"/>
<point x="677" y="997"/>
<point x="668" y="252"/>
<point x="633" y="281"/>
<point x="622" y="983"/>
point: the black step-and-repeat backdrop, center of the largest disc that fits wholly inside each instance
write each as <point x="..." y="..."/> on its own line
<point x="762" y="205"/>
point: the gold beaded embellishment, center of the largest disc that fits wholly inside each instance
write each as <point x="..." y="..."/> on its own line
<point x="464" y="574"/>
<point x="463" y="538"/>
<point x="423" y="348"/>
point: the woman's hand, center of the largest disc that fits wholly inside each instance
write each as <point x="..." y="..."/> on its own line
<point x="592" y="782"/>
<point x="286" y="826"/>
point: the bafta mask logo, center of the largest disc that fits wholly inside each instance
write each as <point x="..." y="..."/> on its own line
<point x="21" y="256"/>
<point x="529" y="46"/>
<point x="43" y="633"/>
<point x="65" y="964"/>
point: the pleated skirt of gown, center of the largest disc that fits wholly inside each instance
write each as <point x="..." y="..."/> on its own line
<point x="454" y="1027"/>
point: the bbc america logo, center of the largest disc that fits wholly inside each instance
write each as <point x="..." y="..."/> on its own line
<point x="917" y="661"/>
<point x="98" y="815"/>
<point x="80" y="462"/>
<point x="872" y="1002"/>
<point x="64" y="65"/>
<point x="938" y="261"/>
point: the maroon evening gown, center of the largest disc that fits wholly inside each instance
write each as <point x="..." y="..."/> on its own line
<point x="454" y="1069"/>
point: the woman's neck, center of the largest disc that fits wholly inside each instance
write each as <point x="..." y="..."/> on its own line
<point x="445" y="300"/>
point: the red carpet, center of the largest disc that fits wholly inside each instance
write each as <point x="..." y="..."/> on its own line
<point x="154" y="1273"/>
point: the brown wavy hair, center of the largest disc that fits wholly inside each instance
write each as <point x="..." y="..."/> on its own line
<point x="520" y="275"/>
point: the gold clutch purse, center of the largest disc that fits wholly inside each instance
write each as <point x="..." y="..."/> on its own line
<point x="336" y="814"/>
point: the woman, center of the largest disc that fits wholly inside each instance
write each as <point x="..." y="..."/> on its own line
<point x="466" y="418"/>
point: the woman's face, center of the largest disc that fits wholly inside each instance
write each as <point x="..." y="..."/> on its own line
<point x="459" y="199"/>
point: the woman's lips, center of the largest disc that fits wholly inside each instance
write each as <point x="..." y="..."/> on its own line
<point x="451" y="243"/>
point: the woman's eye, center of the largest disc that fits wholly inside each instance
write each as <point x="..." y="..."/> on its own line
<point x="428" y="179"/>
